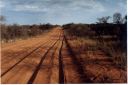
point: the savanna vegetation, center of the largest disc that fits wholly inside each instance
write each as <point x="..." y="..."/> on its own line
<point x="15" y="31"/>
<point x="111" y="38"/>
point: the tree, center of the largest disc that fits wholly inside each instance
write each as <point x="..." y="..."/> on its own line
<point x="2" y="18"/>
<point x="117" y="18"/>
<point x="125" y="19"/>
<point x="103" y="19"/>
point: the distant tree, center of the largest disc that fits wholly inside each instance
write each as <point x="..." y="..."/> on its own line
<point x="125" y="19"/>
<point x="117" y="18"/>
<point x="103" y="19"/>
<point x="2" y="18"/>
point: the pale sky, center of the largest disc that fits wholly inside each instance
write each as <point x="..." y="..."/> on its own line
<point x="59" y="11"/>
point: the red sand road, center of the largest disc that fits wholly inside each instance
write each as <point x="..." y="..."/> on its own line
<point x="49" y="58"/>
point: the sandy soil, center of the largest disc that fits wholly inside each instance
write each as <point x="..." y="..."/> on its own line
<point x="50" y="58"/>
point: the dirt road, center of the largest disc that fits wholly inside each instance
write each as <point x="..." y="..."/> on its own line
<point x="48" y="58"/>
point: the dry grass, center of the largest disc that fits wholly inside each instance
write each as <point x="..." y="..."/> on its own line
<point x="111" y="42"/>
<point x="110" y="48"/>
<point x="113" y="49"/>
<point x="102" y="55"/>
<point x="98" y="64"/>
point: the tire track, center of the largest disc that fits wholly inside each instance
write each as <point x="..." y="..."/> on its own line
<point x="23" y="58"/>
<point x="20" y="60"/>
<point x="2" y="74"/>
<point x="52" y="62"/>
<point x="22" y="69"/>
<point x="47" y="72"/>
<point x="25" y="71"/>
<point x="61" y="71"/>
<point x="22" y="72"/>
<point x="9" y="56"/>
<point x="24" y="51"/>
<point x="32" y="78"/>
<point x="46" y="67"/>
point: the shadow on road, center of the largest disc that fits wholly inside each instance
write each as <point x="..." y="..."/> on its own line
<point x="79" y="67"/>
<point x="61" y="72"/>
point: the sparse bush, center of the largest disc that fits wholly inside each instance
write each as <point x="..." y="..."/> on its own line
<point x="12" y="32"/>
<point x="110" y="38"/>
<point x="79" y="30"/>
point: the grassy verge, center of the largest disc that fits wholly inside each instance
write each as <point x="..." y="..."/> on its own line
<point x="87" y="37"/>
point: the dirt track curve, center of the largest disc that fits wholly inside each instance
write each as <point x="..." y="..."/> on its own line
<point x="48" y="58"/>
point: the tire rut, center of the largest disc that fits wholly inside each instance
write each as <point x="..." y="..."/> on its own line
<point x="9" y="56"/>
<point x="22" y="59"/>
<point x="40" y="46"/>
<point x="46" y="67"/>
<point x="61" y="71"/>
<point x="31" y="80"/>
<point x="78" y="67"/>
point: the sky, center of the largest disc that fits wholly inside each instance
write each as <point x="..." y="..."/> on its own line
<point x="59" y="11"/>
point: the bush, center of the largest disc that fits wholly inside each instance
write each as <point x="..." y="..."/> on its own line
<point x="12" y="32"/>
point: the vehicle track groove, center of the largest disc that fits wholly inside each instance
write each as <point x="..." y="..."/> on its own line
<point x="24" y="58"/>
<point x="32" y="78"/>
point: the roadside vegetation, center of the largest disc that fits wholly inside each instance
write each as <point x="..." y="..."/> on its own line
<point x="10" y="33"/>
<point x="111" y="38"/>
<point x="13" y="32"/>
